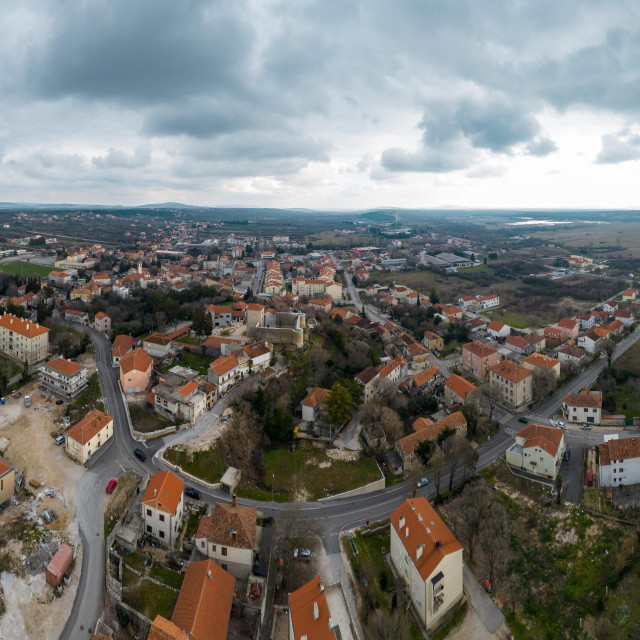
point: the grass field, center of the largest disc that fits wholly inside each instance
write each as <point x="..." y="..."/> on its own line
<point x="150" y="599"/>
<point x="629" y="360"/>
<point x="146" y="420"/>
<point x="25" y="269"/>
<point x="169" y="577"/>
<point x="520" y="306"/>
<point x="209" y="465"/>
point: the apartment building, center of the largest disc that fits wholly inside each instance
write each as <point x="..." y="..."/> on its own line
<point x="63" y="378"/>
<point x="428" y="558"/>
<point x="477" y="357"/>
<point x="102" y="323"/>
<point x="23" y="340"/>
<point x="88" y="435"/>
<point x="163" y="507"/>
<point x="619" y="462"/>
<point x="513" y="381"/>
<point x="179" y="399"/>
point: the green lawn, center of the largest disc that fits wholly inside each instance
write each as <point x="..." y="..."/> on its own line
<point x="192" y="525"/>
<point x="25" y="269"/>
<point x="150" y="599"/>
<point x="146" y="419"/>
<point x="129" y="577"/>
<point x="190" y="339"/>
<point x="135" y="560"/>
<point x="208" y="465"/>
<point x="299" y="471"/>
<point x="195" y="361"/>
<point x="87" y="400"/>
<point x="629" y="360"/>
<point x="169" y="577"/>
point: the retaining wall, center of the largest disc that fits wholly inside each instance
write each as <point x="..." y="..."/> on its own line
<point x="376" y="485"/>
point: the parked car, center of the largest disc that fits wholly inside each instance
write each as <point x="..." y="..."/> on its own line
<point x="423" y="482"/>
<point x="140" y="454"/>
<point x="111" y="485"/>
<point x="192" y="493"/>
<point x="524" y="420"/>
<point x="587" y="427"/>
<point x="560" y="424"/>
<point x="567" y="455"/>
<point x="302" y="554"/>
<point x="60" y="440"/>
<point x="59" y="402"/>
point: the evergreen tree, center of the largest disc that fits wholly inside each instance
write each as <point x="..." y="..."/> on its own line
<point x="208" y="324"/>
<point x="339" y="404"/>
<point x="198" y="326"/>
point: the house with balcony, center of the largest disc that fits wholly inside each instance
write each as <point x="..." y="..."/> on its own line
<point x="427" y="557"/>
<point x="63" y="378"/>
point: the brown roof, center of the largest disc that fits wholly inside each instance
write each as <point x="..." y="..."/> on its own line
<point x="461" y="387"/>
<point x="589" y="399"/>
<point x="427" y="535"/>
<point x="101" y="314"/>
<point x="567" y="323"/>
<point x="4" y="466"/>
<point x="204" y="602"/>
<point x="429" y="335"/>
<point x="217" y="341"/>
<point x="391" y="366"/>
<point x="301" y="611"/>
<point x="316" y="396"/>
<point x="66" y="367"/>
<point x="163" y="629"/>
<point x="225" y="519"/>
<point x="479" y="349"/>
<point x="420" y="424"/>
<point x="539" y="435"/>
<point x="89" y="426"/>
<point x="517" y="341"/>
<point x="138" y="360"/>
<point x="540" y="360"/>
<point x="367" y="375"/>
<point x="121" y="345"/>
<point x="224" y="364"/>
<point x="621" y="449"/>
<point x="572" y="350"/>
<point x="164" y="492"/>
<point x="23" y="327"/>
<point x="256" y="349"/>
<point x="494" y="325"/>
<point x="409" y="443"/>
<point x="188" y="389"/>
<point x="158" y="338"/>
<point x="511" y="371"/>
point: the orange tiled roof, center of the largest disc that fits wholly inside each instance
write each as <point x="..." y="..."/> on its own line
<point x="589" y="399"/>
<point x="427" y="532"/>
<point x="540" y="360"/>
<point x="621" y="449"/>
<point x="4" y="466"/>
<point x="494" y="325"/>
<point x="478" y="348"/>
<point x="121" y="345"/>
<point x="89" y="426"/>
<point x="65" y="367"/>
<point x="204" y="602"/>
<point x="164" y="492"/>
<point x="461" y="387"/>
<point x="511" y="371"/>
<point x="25" y="328"/>
<point x="425" y="376"/>
<point x="188" y="388"/>
<point x="543" y="436"/>
<point x="224" y="364"/>
<point x="431" y="431"/>
<point x="316" y="396"/>
<point x="301" y="612"/>
<point x="163" y="629"/>
<point x="138" y="360"/>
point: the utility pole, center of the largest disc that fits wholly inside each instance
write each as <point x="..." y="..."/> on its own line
<point x="273" y="479"/>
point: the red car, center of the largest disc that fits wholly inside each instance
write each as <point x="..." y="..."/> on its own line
<point x="113" y="483"/>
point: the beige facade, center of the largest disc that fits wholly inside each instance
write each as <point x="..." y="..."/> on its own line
<point x="428" y="558"/>
<point x="513" y="381"/>
<point x="23" y="340"/>
<point x="538" y="449"/>
<point x="88" y="435"/>
<point x="7" y="481"/>
<point x="63" y="378"/>
<point x="163" y="507"/>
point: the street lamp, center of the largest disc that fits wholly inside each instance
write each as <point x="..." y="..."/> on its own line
<point x="273" y="479"/>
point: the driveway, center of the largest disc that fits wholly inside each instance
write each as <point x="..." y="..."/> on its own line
<point x="350" y="437"/>
<point x="483" y="605"/>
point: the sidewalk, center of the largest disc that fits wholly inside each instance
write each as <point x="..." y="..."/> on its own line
<point x="482" y="603"/>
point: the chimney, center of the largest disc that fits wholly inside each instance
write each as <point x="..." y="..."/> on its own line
<point x="234" y="501"/>
<point x="209" y="575"/>
<point x="234" y="534"/>
<point x="155" y="493"/>
<point x="316" y="611"/>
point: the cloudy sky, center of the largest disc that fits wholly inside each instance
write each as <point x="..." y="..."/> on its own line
<point x="327" y="104"/>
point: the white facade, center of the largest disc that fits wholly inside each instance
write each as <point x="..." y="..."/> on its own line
<point x="162" y="525"/>
<point x="238" y="562"/>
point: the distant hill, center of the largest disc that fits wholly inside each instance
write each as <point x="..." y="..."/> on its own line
<point x="168" y="205"/>
<point x="379" y="216"/>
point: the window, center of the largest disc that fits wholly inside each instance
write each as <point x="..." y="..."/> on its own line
<point x="149" y="512"/>
<point x="224" y="566"/>
<point x="621" y="469"/>
<point x="161" y="518"/>
<point x="223" y="550"/>
<point x="614" y="470"/>
<point x="161" y="534"/>
<point x="149" y="528"/>
<point x="203" y="544"/>
<point x="213" y="548"/>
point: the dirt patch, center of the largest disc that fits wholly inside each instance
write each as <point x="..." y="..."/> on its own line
<point x="343" y="455"/>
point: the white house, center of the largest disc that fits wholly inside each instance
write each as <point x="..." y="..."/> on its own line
<point x="585" y="407"/>
<point x="590" y="341"/>
<point x="498" y="329"/>
<point x="620" y="462"/>
<point x="313" y="403"/>
<point x="228" y="537"/>
<point x="538" y="449"/>
<point x="428" y="558"/>
<point x="162" y="507"/>
<point x="486" y="302"/>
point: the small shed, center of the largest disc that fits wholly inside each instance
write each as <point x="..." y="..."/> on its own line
<point x="230" y="479"/>
<point x="59" y="564"/>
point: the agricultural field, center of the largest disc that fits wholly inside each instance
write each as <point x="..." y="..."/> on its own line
<point x="630" y="360"/>
<point x="25" y="269"/>
<point x="526" y="301"/>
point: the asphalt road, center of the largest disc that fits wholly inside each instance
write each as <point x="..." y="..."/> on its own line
<point x="327" y="519"/>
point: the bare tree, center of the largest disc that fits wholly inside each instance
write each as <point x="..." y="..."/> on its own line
<point x="608" y="346"/>
<point x="382" y="626"/>
<point x="494" y="537"/>
<point x="469" y="458"/>
<point x="544" y="382"/>
<point x="490" y="395"/>
<point x="468" y="515"/>
<point x="436" y="463"/>
<point x="453" y="448"/>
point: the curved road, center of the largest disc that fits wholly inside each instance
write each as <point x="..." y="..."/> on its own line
<point x="328" y="519"/>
